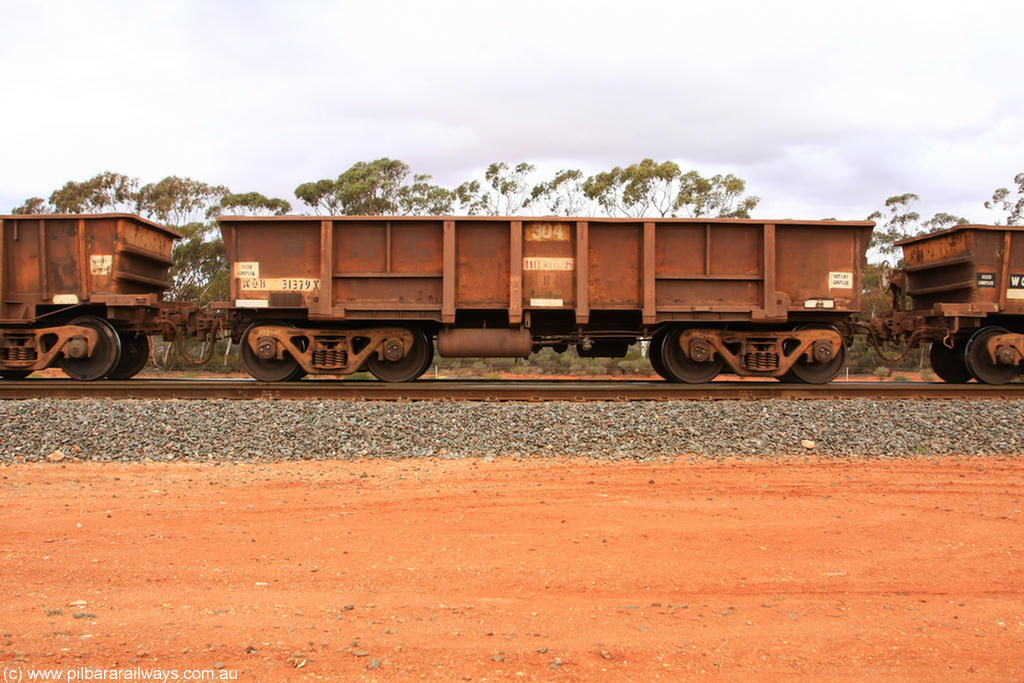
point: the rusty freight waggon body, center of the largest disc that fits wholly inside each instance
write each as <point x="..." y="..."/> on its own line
<point x="966" y="297"/>
<point x="336" y="295"/>
<point x="83" y="292"/>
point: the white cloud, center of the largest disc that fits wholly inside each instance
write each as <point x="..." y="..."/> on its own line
<point x="824" y="108"/>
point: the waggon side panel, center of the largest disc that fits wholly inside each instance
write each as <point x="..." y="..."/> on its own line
<point x="614" y="265"/>
<point x="142" y="257"/>
<point x="100" y="250"/>
<point x="1012" y="296"/>
<point x="482" y="253"/>
<point x="702" y="268"/>
<point x="22" y="286"/>
<point x="57" y="260"/>
<point x="547" y="263"/>
<point x="430" y="268"/>
<point x="821" y="265"/>
<point x="967" y="270"/>
<point x="379" y="265"/>
<point x="275" y="264"/>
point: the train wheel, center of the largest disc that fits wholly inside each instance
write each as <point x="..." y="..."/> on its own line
<point x="678" y="366"/>
<point x="281" y="369"/>
<point x="15" y="374"/>
<point x="407" y="368"/>
<point x="654" y="355"/>
<point x="105" y="356"/>
<point x="814" y="372"/>
<point x="980" y="365"/>
<point x="949" y="363"/>
<point x="134" y="356"/>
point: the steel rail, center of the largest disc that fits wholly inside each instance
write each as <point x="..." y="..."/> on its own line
<point x="510" y="390"/>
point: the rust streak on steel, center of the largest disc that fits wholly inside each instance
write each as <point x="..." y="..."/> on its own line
<point x="513" y="390"/>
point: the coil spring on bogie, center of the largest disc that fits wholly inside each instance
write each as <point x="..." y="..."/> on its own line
<point x="330" y="358"/>
<point x="761" y="360"/>
<point x="19" y="353"/>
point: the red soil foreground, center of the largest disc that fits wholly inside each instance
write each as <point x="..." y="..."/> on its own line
<point x="554" y="570"/>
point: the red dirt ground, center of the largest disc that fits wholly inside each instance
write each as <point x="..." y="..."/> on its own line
<point x="553" y="570"/>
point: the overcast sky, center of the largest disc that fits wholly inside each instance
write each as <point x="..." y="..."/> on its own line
<point x="825" y="108"/>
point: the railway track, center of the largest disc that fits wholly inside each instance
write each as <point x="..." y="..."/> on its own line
<point x="510" y="390"/>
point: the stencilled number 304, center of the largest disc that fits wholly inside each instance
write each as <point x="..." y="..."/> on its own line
<point x="548" y="232"/>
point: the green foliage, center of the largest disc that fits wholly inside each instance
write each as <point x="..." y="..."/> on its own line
<point x="467" y="196"/>
<point x="320" y="195"/>
<point x="509" y="190"/>
<point x="636" y="189"/>
<point x="1010" y="203"/>
<point x="874" y="295"/>
<point x="899" y="223"/>
<point x="902" y="222"/>
<point x="663" y="188"/>
<point x="179" y="201"/>
<point x="376" y="188"/>
<point x="860" y="358"/>
<point x="250" y="204"/>
<point x="33" y="205"/>
<point x="371" y="188"/>
<point x="719" y="196"/>
<point x="424" y="199"/>
<point x="200" y="270"/>
<point x="606" y="189"/>
<point x="943" y="220"/>
<point x="651" y="185"/>
<point x="562" y="195"/>
<point x="107" y="191"/>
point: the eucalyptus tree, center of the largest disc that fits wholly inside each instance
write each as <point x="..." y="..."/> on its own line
<point x="1009" y="202"/>
<point x="104" y="192"/>
<point x="376" y="188"/>
<point x="562" y="195"/>
<point x="504" y="192"/>
<point x="661" y="188"/>
<point x="33" y="205"/>
<point x="250" y="204"/>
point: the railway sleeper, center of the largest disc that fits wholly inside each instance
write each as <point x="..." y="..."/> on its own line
<point x="765" y="354"/>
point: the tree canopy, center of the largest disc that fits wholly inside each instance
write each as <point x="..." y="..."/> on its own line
<point x="376" y="188"/>
<point x="179" y="201"/>
<point x="389" y="187"/>
<point x="663" y="188"/>
<point x="1010" y="203"/>
<point x="250" y="204"/>
<point x="900" y="222"/>
<point x="106" y="191"/>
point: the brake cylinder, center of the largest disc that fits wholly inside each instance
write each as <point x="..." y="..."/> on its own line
<point x="484" y="343"/>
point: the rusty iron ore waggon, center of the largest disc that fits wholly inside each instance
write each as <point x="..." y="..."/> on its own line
<point x="962" y="291"/>
<point x="84" y="292"/>
<point x="335" y="295"/>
